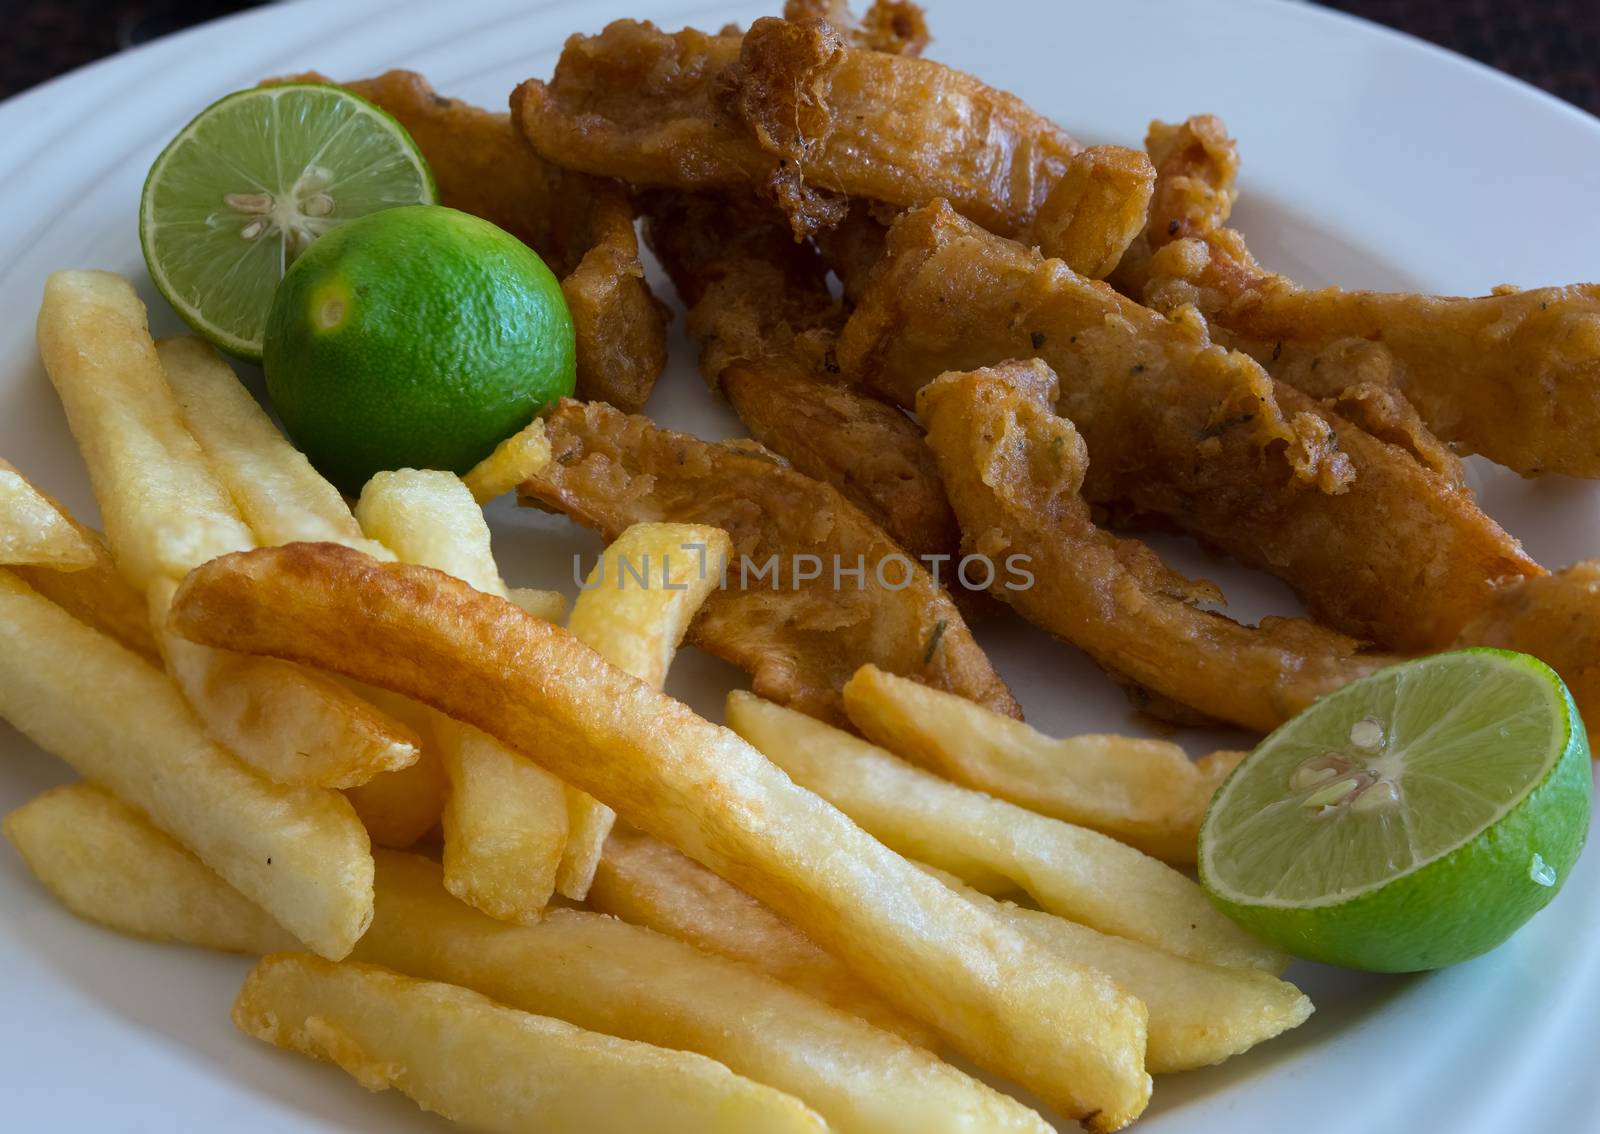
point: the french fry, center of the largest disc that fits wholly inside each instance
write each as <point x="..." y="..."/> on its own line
<point x="299" y="853"/>
<point x="487" y="833"/>
<point x="494" y="1068"/>
<point x="398" y="808"/>
<point x="645" y="881"/>
<point x="427" y="516"/>
<point x="513" y="461"/>
<point x="635" y="608"/>
<point x="105" y="862"/>
<point x="290" y="724"/>
<point x="97" y="595"/>
<point x="609" y="976"/>
<point x="505" y="818"/>
<point x="1200" y="1014"/>
<point x="282" y="498"/>
<point x="1064" y="1031"/>
<point x="548" y="605"/>
<point x="33" y="532"/>
<point x="594" y="971"/>
<point x="1148" y="793"/>
<point x="1071" y="871"/>
<point x="165" y="511"/>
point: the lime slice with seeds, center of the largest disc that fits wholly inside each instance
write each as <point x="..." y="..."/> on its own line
<point x="1411" y="820"/>
<point x="250" y="183"/>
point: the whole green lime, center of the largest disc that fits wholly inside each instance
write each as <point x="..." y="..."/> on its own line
<point x="1412" y="819"/>
<point x="416" y="337"/>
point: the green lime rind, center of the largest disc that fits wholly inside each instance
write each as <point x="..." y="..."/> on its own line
<point x="418" y="337"/>
<point x="262" y="141"/>
<point x="1452" y="907"/>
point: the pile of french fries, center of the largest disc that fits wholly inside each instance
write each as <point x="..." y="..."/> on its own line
<point x="528" y="889"/>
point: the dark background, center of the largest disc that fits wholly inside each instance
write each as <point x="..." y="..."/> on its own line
<point x="1554" y="44"/>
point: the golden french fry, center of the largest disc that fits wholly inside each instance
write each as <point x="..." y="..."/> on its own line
<point x="1148" y="793"/>
<point x="299" y="853"/>
<point x="163" y="509"/>
<point x="282" y="498"/>
<point x="1071" y="871"/>
<point x="398" y="808"/>
<point x="514" y="460"/>
<point x="634" y="610"/>
<point x="609" y="976"/>
<point x="107" y="863"/>
<point x="645" y="881"/>
<point x="1066" y="1032"/>
<point x="494" y="1068"/>
<point x="290" y="724"/>
<point x="33" y="531"/>
<point x="548" y="605"/>
<point x="427" y="516"/>
<point x="1200" y="1014"/>
<point x="494" y="858"/>
<point x="505" y="818"/>
<point x="97" y="594"/>
<point x="594" y="971"/>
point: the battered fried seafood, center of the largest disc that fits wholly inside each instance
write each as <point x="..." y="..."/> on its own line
<point x="1015" y="472"/>
<point x="791" y="110"/>
<point x="781" y="616"/>
<point x="582" y="227"/>
<point x="1178" y="428"/>
<point x="760" y="308"/>
<point x="895" y="26"/>
<point x="1096" y="211"/>
<point x="1514" y="375"/>
<point x="1554" y="619"/>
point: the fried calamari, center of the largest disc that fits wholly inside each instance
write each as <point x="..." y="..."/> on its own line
<point x="784" y="616"/>
<point x="1556" y="618"/>
<point x="1015" y="471"/>
<point x="792" y="111"/>
<point x="895" y="26"/>
<point x="581" y="226"/>
<point x="759" y="307"/>
<point x="1514" y="375"/>
<point x="1178" y="428"/>
<point x="1096" y="211"/>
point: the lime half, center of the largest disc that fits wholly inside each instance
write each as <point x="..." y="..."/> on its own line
<point x="1410" y="820"/>
<point x="250" y="183"/>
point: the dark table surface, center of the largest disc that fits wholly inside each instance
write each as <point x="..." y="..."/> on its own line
<point x="1554" y="44"/>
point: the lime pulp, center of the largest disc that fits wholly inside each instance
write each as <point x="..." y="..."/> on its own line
<point x="1411" y="820"/>
<point x="248" y="185"/>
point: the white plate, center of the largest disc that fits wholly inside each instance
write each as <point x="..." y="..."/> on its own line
<point x="1370" y="160"/>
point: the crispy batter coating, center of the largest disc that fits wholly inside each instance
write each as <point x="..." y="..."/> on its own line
<point x="1554" y="619"/>
<point x="1096" y="211"/>
<point x="800" y="639"/>
<point x="760" y="308"/>
<point x="1356" y="379"/>
<point x="1514" y="375"/>
<point x="1197" y="167"/>
<point x="895" y="26"/>
<point x="1015" y="470"/>
<point x="1178" y="428"/>
<point x="791" y="110"/>
<point x="853" y="247"/>
<point x="582" y="226"/>
<point x="1197" y="171"/>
